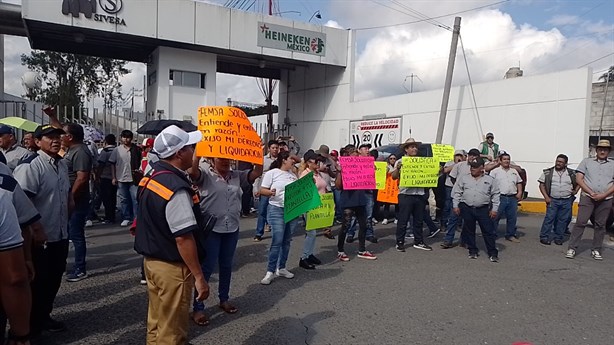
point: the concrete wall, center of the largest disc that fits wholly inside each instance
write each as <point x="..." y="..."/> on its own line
<point x="597" y="109"/>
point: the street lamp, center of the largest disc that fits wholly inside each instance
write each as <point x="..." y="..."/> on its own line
<point x="315" y="14"/>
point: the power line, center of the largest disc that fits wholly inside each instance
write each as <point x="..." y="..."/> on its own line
<point x="603" y="57"/>
<point x="421" y="17"/>
<point x="424" y="20"/>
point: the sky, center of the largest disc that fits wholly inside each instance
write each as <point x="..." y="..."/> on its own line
<point x="538" y="36"/>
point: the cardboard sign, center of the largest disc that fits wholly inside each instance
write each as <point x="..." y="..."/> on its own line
<point x="358" y="172"/>
<point x="419" y="172"/>
<point x="390" y="194"/>
<point x="443" y="153"/>
<point x="227" y="133"/>
<point x="300" y="196"/>
<point x="322" y="216"/>
<point x="380" y="175"/>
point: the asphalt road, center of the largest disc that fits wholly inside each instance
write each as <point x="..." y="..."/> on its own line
<point x="532" y="295"/>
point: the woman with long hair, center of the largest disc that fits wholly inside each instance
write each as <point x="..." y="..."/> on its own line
<point x="273" y="186"/>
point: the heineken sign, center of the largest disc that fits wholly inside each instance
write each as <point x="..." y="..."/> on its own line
<point x="291" y="39"/>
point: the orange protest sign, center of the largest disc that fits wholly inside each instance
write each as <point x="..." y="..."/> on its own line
<point x="227" y="133"/>
<point x="390" y="194"/>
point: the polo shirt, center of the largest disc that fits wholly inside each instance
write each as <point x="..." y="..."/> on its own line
<point x="14" y="155"/>
<point x="10" y="232"/>
<point x="45" y="180"/>
<point x="121" y="158"/>
<point x="26" y="213"/>
<point x="598" y="175"/>
<point x="507" y="180"/>
<point x="476" y="192"/>
<point x="460" y="169"/>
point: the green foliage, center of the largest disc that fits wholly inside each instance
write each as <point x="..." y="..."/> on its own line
<point x="259" y="110"/>
<point x="609" y="75"/>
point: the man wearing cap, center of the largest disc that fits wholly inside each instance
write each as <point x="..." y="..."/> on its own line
<point x="411" y="202"/>
<point x="459" y="156"/>
<point x="596" y="178"/>
<point x="148" y="157"/>
<point x="170" y="235"/>
<point x="510" y="186"/>
<point x="475" y="197"/>
<point x="263" y="201"/>
<point x="108" y="191"/>
<point x="125" y="162"/>
<point x="44" y="178"/>
<point x="489" y="149"/>
<point x="13" y="153"/>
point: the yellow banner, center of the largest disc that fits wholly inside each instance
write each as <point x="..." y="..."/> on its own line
<point x="380" y="175"/>
<point x="443" y="153"/>
<point x="419" y="172"/>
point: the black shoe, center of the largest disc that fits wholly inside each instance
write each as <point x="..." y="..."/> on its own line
<point x="446" y="245"/>
<point x="422" y="246"/>
<point x="567" y="232"/>
<point x="544" y="242"/>
<point x="54" y="326"/>
<point x="400" y="247"/>
<point x="306" y="265"/>
<point x="494" y="259"/>
<point x="349" y="239"/>
<point x="312" y="259"/>
<point x="372" y="239"/>
<point x="558" y="242"/>
<point x="473" y="255"/>
<point x="257" y="238"/>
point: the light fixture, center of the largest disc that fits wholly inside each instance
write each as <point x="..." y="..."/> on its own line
<point x="315" y="14"/>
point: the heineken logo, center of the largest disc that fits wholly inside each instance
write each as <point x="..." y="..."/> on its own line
<point x="291" y="39"/>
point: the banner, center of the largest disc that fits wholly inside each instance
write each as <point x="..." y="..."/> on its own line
<point x="419" y="172"/>
<point x="443" y="153"/>
<point x="227" y="133"/>
<point x="380" y="174"/>
<point x="358" y="172"/>
<point x="390" y="194"/>
<point x="300" y="196"/>
<point x="322" y="216"/>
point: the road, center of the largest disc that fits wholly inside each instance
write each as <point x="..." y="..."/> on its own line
<point x="533" y="295"/>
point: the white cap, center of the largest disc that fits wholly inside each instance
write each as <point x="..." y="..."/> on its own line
<point x="172" y="139"/>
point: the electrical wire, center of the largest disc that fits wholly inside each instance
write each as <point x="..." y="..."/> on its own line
<point x="603" y="57"/>
<point x="421" y="17"/>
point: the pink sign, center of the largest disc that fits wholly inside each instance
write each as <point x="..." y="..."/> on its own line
<point x="358" y="172"/>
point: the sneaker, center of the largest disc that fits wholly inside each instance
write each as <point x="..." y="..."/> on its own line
<point x="125" y="223"/>
<point x="54" y="326"/>
<point x="493" y="259"/>
<point x="400" y="247"/>
<point x="558" y="242"/>
<point x="306" y="264"/>
<point x="596" y="255"/>
<point x="422" y="246"/>
<point x="512" y="239"/>
<point x="257" y="238"/>
<point x="446" y="245"/>
<point x="342" y="256"/>
<point x="282" y="272"/>
<point x="349" y="239"/>
<point x="385" y="221"/>
<point x="374" y="221"/>
<point x="473" y="255"/>
<point x="268" y="278"/>
<point x="409" y="236"/>
<point x="545" y="242"/>
<point x="395" y="221"/>
<point x="366" y="255"/>
<point x="372" y="239"/>
<point x="267" y="228"/>
<point x="88" y="223"/>
<point x="76" y="276"/>
<point x="434" y="233"/>
<point x="314" y="260"/>
<point x="143" y="282"/>
<point x="570" y="253"/>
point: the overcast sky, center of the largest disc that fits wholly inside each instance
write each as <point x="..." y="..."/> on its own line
<point x="540" y="36"/>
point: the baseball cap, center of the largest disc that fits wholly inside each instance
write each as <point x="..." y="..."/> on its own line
<point x="4" y="129"/>
<point x="334" y="153"/>
<point x="474" y="152"/>
<point x="489" y="134"/>
<point x="367" y="145"/>
<point x="459" y="152"/>
<point x="476" y="163"/>
<point x="148" y="142"/>
<point x="44" y="130"/>
<point x="172" y="139"/>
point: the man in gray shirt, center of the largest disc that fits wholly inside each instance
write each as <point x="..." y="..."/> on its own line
<point x="125" y="159"/>
<point x="475" y="197"/>
<point x="13" y="153"/>
<point x="596" y="178"/>
<point x="263" y="201"/>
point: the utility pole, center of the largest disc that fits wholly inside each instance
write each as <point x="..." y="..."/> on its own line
<point x="448" y="85"/>
<point x="269" y="96"/>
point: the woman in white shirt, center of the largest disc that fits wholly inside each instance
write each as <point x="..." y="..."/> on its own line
<point x="273" y="186"/>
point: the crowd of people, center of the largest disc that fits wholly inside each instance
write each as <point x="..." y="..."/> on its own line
<point x="186" y="210"/>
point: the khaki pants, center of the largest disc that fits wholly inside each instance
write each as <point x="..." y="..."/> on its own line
<point x="586" y="208"/>
<point x="170" y="289"/>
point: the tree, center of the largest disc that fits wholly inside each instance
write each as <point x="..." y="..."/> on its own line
<point x="68" y="79"/>
<point x="609" y="75"/>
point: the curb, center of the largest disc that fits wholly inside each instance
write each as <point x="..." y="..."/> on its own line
<point x="539" y="207"/>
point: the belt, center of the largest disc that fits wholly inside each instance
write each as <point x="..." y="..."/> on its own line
<point x="565" y="198"/>
<point x="509" y="195"/>
<point x="474" y="207"/>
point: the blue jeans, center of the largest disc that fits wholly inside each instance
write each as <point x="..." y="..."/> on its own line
<point x="338" y="208"/>
<point x="263" y="204"/>
<point x="127" y="199"/>
<point x="452" y="218"/>
<point x="369" y="208"/>
<point x="352" y="230"/>
<point x="557" y="216"/>
<point x="76" y="233"/>
<point x="508" y="209"/>
<point x="310" y="243"/>
<point x="281" y="234"/>
<point x="220" y="249"/>
<point x="471" y="215"/>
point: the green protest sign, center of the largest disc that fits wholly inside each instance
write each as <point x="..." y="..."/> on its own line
<point x="322" y="216"/>
<point x="419" y="172"/>
<point x="380" y="174"/>
<point x="300" y="196"/>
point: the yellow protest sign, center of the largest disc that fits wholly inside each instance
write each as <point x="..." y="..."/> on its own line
<point x="443" y="153"/>
<point x="419" y="172"/>
<point x="227" y="133"/>
<point x="323" y="215"/>
<point x="380" y="175"/>
<point x="390" y="194"/>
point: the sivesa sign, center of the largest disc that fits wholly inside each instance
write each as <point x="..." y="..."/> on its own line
<point x="89" y="8"/>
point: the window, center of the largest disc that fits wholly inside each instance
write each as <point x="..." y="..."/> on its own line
<point x="187" y="79"/>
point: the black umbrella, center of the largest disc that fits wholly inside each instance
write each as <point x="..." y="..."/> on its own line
<point x="154" y="127"/>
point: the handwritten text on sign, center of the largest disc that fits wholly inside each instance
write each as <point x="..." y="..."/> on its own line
<point x="227" y="133"/>
<point x="300" y="196"/>
<point x="419" y="172"/>
<point x="380" y="174"/>
<point x="322" y="216"/>
<point x="390" y="194"/>
<point x="358" y="172"/>
<point x="443" y="153"/>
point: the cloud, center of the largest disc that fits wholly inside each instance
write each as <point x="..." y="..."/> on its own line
<point x="333" y="24"/>
<point x="563" y="19"/>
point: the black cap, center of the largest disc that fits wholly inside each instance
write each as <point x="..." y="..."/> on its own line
<point x="476" y="163"/>
<point x="367" y="145"/>
<point x="43" y="130"/>
<point x="474" y="152"/>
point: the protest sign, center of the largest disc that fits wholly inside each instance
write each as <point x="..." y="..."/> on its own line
<point x="322" y="216"/>
<point x="227" y="133"/>
<point x="419" y="172"/>
<point x="443" y="153"/>
<point x="300" y="196"/>
<point x="380" y="175"/>
<point x="390" y="194"/>
<point x="357" y="172"/>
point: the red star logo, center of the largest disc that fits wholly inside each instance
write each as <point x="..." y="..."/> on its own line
<point x="264" y="27"/>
